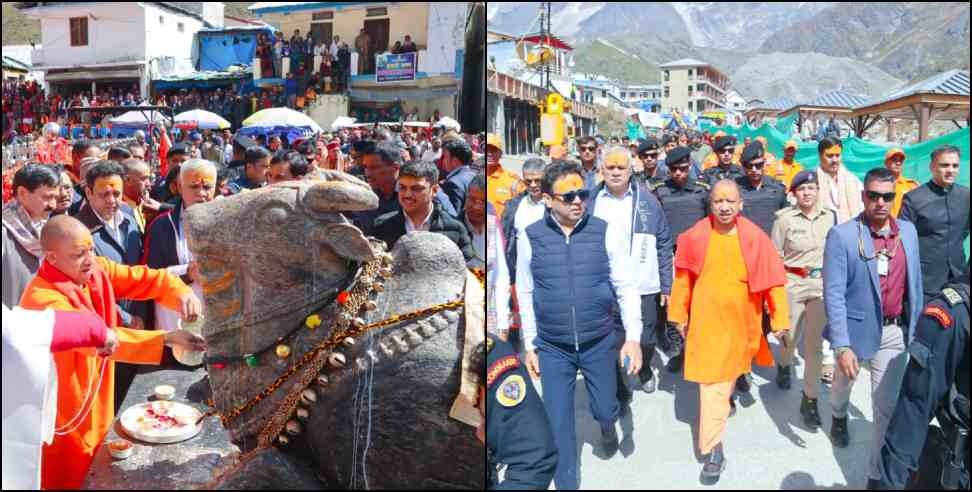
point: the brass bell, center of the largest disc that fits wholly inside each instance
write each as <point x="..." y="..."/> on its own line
<point x="370" y="305"/>
<point x="358" y="323"/>
<point x="283" y="351"/>
<point x="308" y="396"/>
<point x="302" y="413"/>
<point x="293" y="427"/>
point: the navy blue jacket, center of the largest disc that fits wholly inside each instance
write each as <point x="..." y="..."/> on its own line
<point x="573" y="297"/>
<point x="160" y="241"/>
<point x="127" y="250"/>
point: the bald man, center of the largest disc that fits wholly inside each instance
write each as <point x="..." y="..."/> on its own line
<point x="724" y="300"/>
<point x="72" y="278"/>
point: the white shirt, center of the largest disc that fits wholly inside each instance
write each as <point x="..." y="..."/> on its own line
<point x="424" y="226"/>
<point x="622" y="278"/>
<point x="527" y="212"/>
<point x="497" y="280"/>
<point x="334" y="51"/>
<point x="112" y="226"/>
<point x="431" y="155"/>
<point x="165" y="318"/>
<point x="642" y="249"/>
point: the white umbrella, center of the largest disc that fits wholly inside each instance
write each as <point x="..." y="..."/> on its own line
<point x="421" y="124"/>
<point x="447" y="122"/>
<point x="203" y="119"/>
<point x="278" y="117"/>
<point x="138" y="118"/>
<point x="342" y="122"/>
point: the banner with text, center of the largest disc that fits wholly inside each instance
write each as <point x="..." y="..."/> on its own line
<point x="395" y="68"/>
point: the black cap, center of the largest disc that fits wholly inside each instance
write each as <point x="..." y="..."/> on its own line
<point x="752" y="151"/>
<point x="669" y="138"/>
<point x="363" y="146"/>
<point x="648" y="144"/>
<point x="803" y="177"/>
<point x="723" y="142"/>
<point x="678" y="155"/>
<point x="177" y="149"/>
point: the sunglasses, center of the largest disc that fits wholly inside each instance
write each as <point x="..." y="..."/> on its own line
<point x="751" y="165"/>
<point x="678" y="169"/>
<point x="571" y="196"/>
<point x="649" y="155"/>
<point x="588" y="149"/>
<point x="727" y="150"/>
<point x="887" y="197"/>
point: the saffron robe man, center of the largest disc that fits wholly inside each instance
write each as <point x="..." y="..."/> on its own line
<point x="72" y="278"/>
<point x="726" y="270"/>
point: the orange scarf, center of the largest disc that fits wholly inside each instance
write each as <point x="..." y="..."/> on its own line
<point x="763" y="264"/>
<point x="100" y="298"/>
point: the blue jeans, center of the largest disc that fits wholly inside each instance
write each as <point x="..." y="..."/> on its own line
<point x="559" y="364"/>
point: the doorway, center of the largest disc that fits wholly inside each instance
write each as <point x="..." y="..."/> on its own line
<point x="378" y="30"/>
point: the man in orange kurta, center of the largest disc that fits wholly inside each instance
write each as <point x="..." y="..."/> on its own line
<point x="726" y="270"/>
<point x="72" y="278"/>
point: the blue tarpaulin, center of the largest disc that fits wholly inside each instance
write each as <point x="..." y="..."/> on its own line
<point x="218" y="49"/>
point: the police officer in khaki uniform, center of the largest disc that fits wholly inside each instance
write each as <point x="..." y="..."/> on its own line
<point x="799" y="233"/>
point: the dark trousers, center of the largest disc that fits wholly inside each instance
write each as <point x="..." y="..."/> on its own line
<point x="559" y="363"/>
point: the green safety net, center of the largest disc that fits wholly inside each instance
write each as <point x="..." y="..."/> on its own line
<point x="860" y="156"/>
<point x="785" y="125"/>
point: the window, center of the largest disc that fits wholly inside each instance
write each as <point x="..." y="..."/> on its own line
<point x="181" y="27"/>
<point x="690" y="106"/>
<point x="690" y="73"/>
<point x="161" y="19"/>
<point x="603" y="93"/>
<point x="690" y="91"/>
<point x="79" y="31"/>
<point x="623" y="95"/>
<point x="322" y="15"/>
<point x="666" y="75"/>
<point x="377" y="12"/>
<point x="644" y="95"/>
<point x="666" y="92"/>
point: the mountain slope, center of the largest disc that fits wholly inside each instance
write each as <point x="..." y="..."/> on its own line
<point x="908" y="40"/>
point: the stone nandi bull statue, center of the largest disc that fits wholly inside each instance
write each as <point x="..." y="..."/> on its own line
<point x="375" y="415"/>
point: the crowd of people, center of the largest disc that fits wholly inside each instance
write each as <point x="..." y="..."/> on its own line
<point x="113" y="217"/>
<point x="705" y="249"/>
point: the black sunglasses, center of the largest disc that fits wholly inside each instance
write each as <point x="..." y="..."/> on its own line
<point x="570" y="196"/>
<point x="653" y="155"/>
<point x="589" y="149"/>
<point x="750" y="165"/>
<point x="727" y="150"/>
<point x="873" y="196"/>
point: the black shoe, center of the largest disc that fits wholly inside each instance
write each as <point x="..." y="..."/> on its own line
<point x="714" y="464"/>
<point x="649" y="385"/>
<point x="808" y="408"/>
<point x="742" y="383"/>
<point x="873" y="484"/>
<point x="783" y="374"/>
<point x="609" y="440"/>
<point x="675" y="363"/>
<point x="838" y="432"/>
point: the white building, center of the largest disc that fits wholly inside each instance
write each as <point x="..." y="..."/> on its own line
<point x="735" y="102"/>
<point x="600" y="91"/>
<point x="87" y="45"/>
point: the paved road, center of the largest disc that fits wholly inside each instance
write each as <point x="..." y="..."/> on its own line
<point x="765" y="443"/>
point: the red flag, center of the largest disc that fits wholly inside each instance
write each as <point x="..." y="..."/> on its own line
<point x="163" y="150"/>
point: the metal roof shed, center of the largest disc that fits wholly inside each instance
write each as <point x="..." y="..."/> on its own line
<point x="942" y="97"/>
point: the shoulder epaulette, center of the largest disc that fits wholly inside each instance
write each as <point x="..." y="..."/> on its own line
<point x="655" y="185"/>
<point x="703" y="185"/>
<point x="489" y="344"/>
